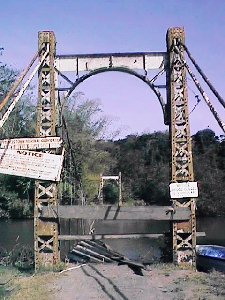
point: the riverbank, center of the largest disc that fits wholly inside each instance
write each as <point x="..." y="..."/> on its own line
<point x="110" y="281"/>
<point x="15" y="285"/>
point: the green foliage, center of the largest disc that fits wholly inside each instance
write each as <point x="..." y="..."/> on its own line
<point x="16" y="192"/>
<point x="209" y="162"/>
<point x="205" y="139"/>
<point x="86" y="124"/>
<point x="22" y="119"/>
<point x="144" y="163"/>
<point x="21" y="122"/>
<point x="18" y="209"/>
<point x="7" y="274"/>
<point x="16" y="196"/>
<point x="7" y="77"/>
<point x="111" y="193"/>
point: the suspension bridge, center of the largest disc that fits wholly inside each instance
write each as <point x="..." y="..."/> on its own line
<point x="45" y="157"/>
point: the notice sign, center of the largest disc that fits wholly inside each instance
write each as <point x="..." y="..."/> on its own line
<point x="37" y="165"/>
<point x="183" y="190"/>
<point x="32" y="143"/>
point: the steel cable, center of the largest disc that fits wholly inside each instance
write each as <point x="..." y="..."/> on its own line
<point x="221" y="100"/>
<point x="203" y="93"/>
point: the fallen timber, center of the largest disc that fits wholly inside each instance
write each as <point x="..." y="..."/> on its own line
<point x="97" y="251"/>
<point x="109" y="212"/>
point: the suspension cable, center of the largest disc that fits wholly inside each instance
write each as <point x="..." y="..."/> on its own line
<point x="204" y="95"/>
<point x="18" y="82"/>
<point x="196" y="97"/>
<point x="221" y="100"/>
<point x="21" y="92"/>
<point x="72" y="156"/>
<point x="197" y="103"/>
<point x="206" y="98"/>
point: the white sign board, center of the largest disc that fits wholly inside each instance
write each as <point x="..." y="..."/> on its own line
<point x="37" y="165"/>
<point x="110" y="177"/>
<point x="183" y="190"/>
<point x="32" y="143"/>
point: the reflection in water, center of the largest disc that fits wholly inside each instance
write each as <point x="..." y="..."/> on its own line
<point x="16" y="232"/>
<point x="214" y="229"/>
<point x="144" y="249"/>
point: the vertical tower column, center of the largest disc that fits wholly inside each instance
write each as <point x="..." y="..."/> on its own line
<point x="120" y="203"/>
<point x="46" y="244"/>
<point x="100" y="192"/>
<point x="184" y="233"/>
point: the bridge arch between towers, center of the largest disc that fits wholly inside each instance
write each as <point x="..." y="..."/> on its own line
<point x="143" y="78"/>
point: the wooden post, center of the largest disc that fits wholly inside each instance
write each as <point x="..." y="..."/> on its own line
<point x="120" y="189"/>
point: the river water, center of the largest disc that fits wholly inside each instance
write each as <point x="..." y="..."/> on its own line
<point x="13" y="232"/>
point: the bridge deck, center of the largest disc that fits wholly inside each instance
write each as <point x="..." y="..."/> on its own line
<point x="109" y="212"/>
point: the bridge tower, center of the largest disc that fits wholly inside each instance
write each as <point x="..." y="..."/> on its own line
<point x="46" y="230"/>
<point x="184" y="233"/>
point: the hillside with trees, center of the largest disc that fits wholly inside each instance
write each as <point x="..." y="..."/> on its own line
<point x="144" y="160"/>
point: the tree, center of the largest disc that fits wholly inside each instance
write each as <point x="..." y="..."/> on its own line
<point x="204" y="139"/>
<point x="144" y="163"/>
<point x="16" y="192"/>
<point x="86" y="126"/>
<point x="208" y="153"/>
<point x="7" y="78"/>
<point x="111" y="193"/>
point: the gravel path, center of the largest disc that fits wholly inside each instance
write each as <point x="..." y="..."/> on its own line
<point x="110" y="281"/>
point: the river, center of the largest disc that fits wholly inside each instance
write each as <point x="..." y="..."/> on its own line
<point x="13" y="232"/>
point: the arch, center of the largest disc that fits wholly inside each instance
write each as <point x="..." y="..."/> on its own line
<point x="123" y="70"/>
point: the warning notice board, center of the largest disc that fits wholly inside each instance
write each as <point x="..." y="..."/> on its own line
<point x="32" y="143"/>
<point x="37" y="165"/>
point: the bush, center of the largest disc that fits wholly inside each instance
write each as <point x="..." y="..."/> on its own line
<point x="111" y="193"/>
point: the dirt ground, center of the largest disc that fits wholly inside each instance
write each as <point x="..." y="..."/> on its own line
<point x="110" y="281"/>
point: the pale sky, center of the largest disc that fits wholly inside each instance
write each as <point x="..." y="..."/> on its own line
<point x="98" y="26"/>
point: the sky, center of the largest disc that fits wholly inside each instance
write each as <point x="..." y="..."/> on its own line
<point x="99" y="26"/>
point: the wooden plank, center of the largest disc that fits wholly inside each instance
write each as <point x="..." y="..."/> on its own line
<point x="82" y="255"/>
<point x="108" y="212"/>
<point x="95" y="246"/>
<point x="101" y="248"/>
<point x="92" y="253"/>
<point x="108" y="236"/>
<point x="116" y="236"/>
